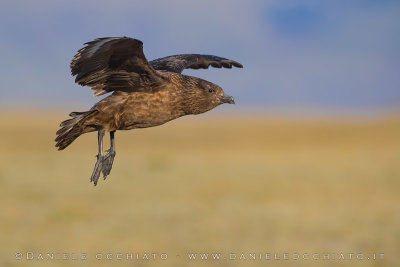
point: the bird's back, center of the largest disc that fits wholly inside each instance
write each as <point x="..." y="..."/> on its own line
<point x="129" y="110"/>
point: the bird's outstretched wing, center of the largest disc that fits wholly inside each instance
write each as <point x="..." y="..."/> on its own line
<point x="114" y="64"/>
<point x="178" y="63"/>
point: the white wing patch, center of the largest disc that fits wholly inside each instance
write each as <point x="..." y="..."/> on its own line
<point x="98" y="44"/>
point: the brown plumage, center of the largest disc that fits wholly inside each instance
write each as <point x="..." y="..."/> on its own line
<point x="145" y="94"/>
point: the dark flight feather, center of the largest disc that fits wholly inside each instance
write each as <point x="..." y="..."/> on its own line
<point x="178" y="63"/>
<point x="111" y="64"/>
<point x="118" y="64"/>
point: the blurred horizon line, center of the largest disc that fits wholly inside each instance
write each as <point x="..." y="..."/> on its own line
<point x="225" y="111"/>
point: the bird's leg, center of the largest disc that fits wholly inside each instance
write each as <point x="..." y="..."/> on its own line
<point x="109" y="157"/>
<point x="98" y="167"/>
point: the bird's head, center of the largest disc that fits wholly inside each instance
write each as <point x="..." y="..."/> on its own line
<point x="204" y="96"/>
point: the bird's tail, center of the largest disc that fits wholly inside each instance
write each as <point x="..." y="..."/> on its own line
<point x="73" y="128"/>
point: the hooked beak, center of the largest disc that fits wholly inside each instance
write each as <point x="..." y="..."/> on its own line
<point x="227" y="99"/>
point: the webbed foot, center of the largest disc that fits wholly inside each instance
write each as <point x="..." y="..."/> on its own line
<point x="108" y="160"/>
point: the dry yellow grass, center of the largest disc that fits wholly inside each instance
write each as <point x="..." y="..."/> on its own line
<point x="203" y="184"/>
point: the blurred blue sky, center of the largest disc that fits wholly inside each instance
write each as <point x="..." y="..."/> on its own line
<point x="303" y="54"/>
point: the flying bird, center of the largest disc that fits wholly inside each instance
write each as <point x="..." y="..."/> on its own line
<point x="144" y="94"/>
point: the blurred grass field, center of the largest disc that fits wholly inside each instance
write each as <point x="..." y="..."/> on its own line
<point x="203" y="184"/>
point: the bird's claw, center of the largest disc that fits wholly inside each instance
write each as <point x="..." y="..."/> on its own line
<point x="108" y="160"/>
<point x="103" y="165"/>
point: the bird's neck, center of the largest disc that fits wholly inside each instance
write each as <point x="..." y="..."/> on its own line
<point x="186" y="94"/>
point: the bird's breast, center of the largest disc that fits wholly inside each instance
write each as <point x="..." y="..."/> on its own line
<point x="141" y="110"/>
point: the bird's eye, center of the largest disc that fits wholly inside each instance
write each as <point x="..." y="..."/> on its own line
<point x="210" y="90"/>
